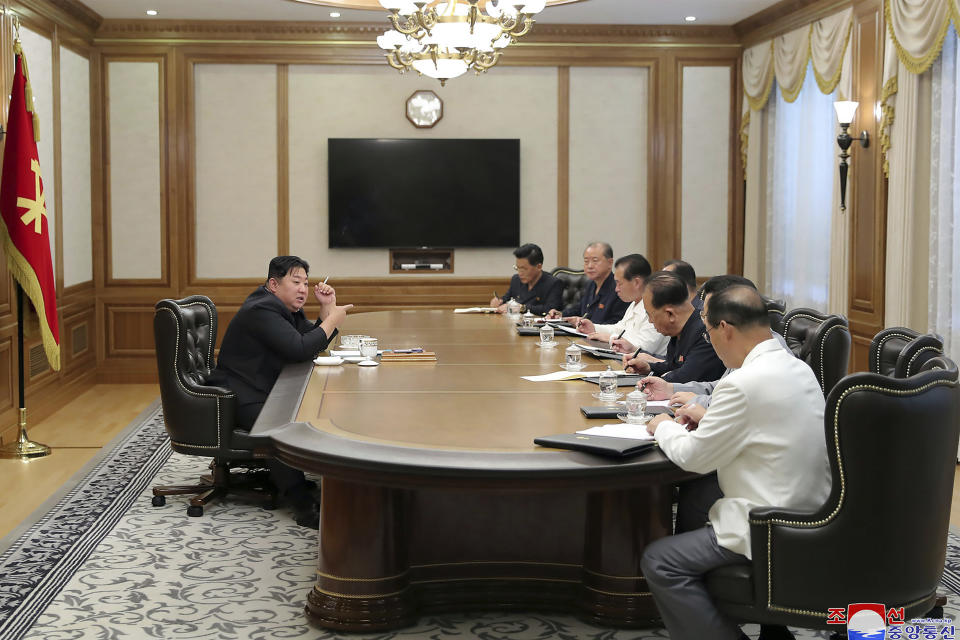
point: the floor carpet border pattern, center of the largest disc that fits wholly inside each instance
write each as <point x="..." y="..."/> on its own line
<point x="39" y="561"/>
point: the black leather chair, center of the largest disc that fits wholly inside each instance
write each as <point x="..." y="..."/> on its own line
<point x="890" y="356"/>
<point x="200" y="418"/>
<point x="882" y="534"/>
<point x="573" y="283"/>
<point x="820" y="340"/>
<point x="776" y="309"/>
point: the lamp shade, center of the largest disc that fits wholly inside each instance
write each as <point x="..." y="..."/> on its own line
<point x="845" y="111"/>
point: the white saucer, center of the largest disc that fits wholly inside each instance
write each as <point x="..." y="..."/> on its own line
<point x="599" y="397"/>
<point x="328" y="360"/>
<point x="567" y="367"/>
<point x="368" y="363"/>
<point x="547" y="345"/>
<point x="644" y="420"/>
<point x="354" y="359"/>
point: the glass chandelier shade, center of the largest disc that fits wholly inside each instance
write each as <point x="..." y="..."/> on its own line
<point x="445" y="39"/>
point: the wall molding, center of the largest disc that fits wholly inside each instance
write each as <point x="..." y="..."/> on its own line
<point x="783" y="17"/>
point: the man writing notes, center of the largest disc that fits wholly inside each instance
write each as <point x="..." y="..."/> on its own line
<point x="763" y="435"/>
<point x="689" y="355"/>
<point x="270" y="331"/>
<point x="537" y="291"/>
<point x="599" y="302"/>
<point x="633" y="331"/>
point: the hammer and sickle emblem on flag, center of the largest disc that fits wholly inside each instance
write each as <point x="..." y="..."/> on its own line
<point x="36" y="208"/>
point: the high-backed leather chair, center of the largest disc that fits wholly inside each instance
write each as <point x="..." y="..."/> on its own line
<point x="890" y="355"/>
<point x="820" y="340"/>
<point x="776" y="309"/>
<point x="882" y="534"/>
<point x="573" y="283"/>
<point x="200" y="418"/>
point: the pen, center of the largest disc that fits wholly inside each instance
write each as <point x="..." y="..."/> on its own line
<point x="416" y="350"/>
<point x="325" y="279"/>
<point x="621" y="334"/>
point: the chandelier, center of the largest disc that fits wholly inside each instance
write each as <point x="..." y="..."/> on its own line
<point x="446" y="38"/>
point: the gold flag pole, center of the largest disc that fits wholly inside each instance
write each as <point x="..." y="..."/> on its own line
<point x="23" y="448"/>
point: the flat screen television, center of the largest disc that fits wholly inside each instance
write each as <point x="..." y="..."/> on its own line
<point x="405" y="193"/>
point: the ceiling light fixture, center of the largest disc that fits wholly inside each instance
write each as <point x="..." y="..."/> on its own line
<point x="444" y="39"/>
<point x="691" y="18"/>
<point x="334" y="14"/>
<point x="151" y="12"/>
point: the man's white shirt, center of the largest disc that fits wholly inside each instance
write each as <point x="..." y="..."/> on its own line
<point x="638" y="330"/>
<point x="764" y="436"/>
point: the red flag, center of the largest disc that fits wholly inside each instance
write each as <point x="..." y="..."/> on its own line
<point x="25" y="230"/>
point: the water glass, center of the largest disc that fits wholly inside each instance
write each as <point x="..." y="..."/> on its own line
<point x="527" y="319"/>
<point x="513" y="308"/>
<point x="350" y="342"/>
<point x="608" y="385"/>
<point x="546" y="334"/>
<point x="636" y="406"/>
<point x="573" y="356"/>
<point x="368" y="348"/>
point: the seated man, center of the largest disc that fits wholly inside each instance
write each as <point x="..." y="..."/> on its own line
<point x="763" y="435"/>
<point x="695" y="392"/>
<point x="270" y="331"/>
<point x="689" y="355"/>
<point x="537" y="291"/>
<point x="634" y="330"/>
<point x="689" y="276"/>
<point x="599" y="302"/>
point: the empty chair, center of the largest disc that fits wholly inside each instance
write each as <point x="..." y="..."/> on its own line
<point x="885" y="348"/>
<point x="820" y="340"/>
<point x="200" y="418"/>
<point x="573" y="283"/>
<point x="882" y="534"/>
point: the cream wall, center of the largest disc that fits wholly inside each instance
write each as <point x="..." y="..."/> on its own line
<point x="706" y="168"/>
<point x="133" y="112"/>
<point x="236" y="169"/>
<point x="38" y="50"/>
<point x="75" y="166"/>
<point x="608" y="159"/>
<point x="332" y="101"/>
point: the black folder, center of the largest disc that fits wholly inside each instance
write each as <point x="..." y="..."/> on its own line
<point x="612" y="411"/>
<point x="600" y="445"/>
<point x="528" y="331"/>
<point x="629" y="380"/>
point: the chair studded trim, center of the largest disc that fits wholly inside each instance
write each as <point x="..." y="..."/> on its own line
<point x="884" y="339"/>
<point x="823" y="344"/>
<point x="910" y="370"/>
<point x="176" y="357"/>
<point x="769" y="523"/>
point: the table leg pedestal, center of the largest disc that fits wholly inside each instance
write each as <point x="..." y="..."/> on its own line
<point x="619" y="525"/>
<point x="363" y="580"/>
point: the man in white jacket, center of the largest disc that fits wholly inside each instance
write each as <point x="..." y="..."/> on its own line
<point x="763" y="435"/>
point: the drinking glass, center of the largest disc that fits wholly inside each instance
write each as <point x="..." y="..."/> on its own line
<point x="513" y="308"/>
<point x="608" y="384"/>
<point x="527" y="319"/>
<point x="368" y="348"/>
<point x="573" y="358"/>
<point x="546" y="334"/>
<point x="636" y="406"/>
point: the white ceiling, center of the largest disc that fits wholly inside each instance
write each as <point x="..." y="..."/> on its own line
<point x="708" y="12"/>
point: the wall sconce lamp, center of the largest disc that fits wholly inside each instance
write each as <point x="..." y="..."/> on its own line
<point x="845" y="111"/>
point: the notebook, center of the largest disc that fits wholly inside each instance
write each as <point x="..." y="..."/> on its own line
<point x="600" y="445"/>
<point x="611" y="411"/>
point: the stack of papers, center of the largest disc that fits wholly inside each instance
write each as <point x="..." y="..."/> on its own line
<point x="569" y="330"/>
<point x="475" y="310"/>
<point x="620" y="430"/>
<point x="570" y="375"/>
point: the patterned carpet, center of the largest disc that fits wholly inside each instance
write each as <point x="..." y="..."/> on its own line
<point x="103" y="563"/>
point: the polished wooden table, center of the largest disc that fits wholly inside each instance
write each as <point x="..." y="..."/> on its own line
<point x="434" y="495"/>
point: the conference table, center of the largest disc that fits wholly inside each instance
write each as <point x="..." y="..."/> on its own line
<point x="434" y="496"/>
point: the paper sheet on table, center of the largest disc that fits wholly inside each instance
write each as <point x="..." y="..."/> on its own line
<point x="569" y="331"/>
<point x="658" y="403"/>
<point x="621" y="430"/>
<point x="570" y="375"/>
<point x="475" y="310"/>
<point x="593" y="349"/>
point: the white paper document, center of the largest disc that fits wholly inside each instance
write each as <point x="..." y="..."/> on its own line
<point x="593" y="349"/>
<point x="658" y="403"/>
<point x="475" y="310"/>
<point x="571" y="375"/>
<point x="620" y="430"/>
<point x="347" y="353"/>
<point x="569" y="331"/>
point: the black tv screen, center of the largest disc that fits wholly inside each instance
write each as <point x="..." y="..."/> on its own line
<point x="406" y="193"/>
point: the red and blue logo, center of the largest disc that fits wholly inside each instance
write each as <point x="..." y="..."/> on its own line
<point x="866" y="621"/>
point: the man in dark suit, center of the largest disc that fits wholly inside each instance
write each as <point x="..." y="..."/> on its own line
<point x="600" y="302"/>
<point x="269" y="332"/>
<point x="689" y="354"/>
<point x="531" y="287"/>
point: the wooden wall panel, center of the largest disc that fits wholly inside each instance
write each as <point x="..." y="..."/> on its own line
<point x="867" y="189"/>
<point x="130" y="330"/>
